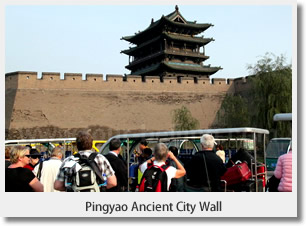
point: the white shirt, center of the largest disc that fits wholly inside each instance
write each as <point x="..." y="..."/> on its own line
<point x="48" y="173"/>
<point x="171" y="171"/>
<point x="221" y="154"/>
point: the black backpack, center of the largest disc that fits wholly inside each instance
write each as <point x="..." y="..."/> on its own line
<point x="88" y="178"/>
<point x="39" y="170"/>
<point x="177" y="184"/>
<point x="154" y="179"/>
<point x="272" y="184"/>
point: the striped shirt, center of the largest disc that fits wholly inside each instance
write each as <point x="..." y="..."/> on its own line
<point x="102" y="163"/>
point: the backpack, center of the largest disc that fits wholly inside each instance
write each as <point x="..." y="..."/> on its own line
<point x="177" y="184"/>
<point x="88" y="178"/>
<point x="39" y="170"/>
<point x="272" y="184"/>
<point x="154" y="179"/>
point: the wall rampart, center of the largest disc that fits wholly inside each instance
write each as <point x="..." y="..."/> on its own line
<point x="242" y="85"/>
<point x="93" y="82"/>
<point x="33" y="100"/>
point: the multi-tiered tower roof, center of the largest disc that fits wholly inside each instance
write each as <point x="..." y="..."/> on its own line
<point x="170" y="47"/>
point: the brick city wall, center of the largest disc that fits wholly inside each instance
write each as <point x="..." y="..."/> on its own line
<point x="118" y="104"/>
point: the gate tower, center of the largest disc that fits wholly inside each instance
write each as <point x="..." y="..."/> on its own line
<point x="170" y="47"/>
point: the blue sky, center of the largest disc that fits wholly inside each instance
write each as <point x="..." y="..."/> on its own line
<point x="86" y="39"/>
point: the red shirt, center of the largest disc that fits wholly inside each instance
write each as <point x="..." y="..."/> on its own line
<point x="29" y="166"/>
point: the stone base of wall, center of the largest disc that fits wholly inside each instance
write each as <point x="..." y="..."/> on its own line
<point x="49" y="132"/>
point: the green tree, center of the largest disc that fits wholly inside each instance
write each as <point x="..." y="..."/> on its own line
<point x="268" y="63"/>
<point x="183" y="120"/>
<point x="272" y="92"/>
<point x="233" y="112"/>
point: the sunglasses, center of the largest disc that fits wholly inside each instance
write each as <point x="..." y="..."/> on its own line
<point x="35" y="157"/>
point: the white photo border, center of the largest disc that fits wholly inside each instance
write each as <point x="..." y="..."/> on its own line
<point x="233" y="204"/>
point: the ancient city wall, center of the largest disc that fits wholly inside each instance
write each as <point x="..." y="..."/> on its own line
<point x="242" y="85"/>
<point x="118" y="103"/>
<point x="49" y="80"/>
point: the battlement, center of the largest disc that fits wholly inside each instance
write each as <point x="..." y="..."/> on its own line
<point x="115" y="82"/>
<point x="123" y="78"/>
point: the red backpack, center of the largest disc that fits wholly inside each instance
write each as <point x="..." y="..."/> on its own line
<point x="154" y="179"/>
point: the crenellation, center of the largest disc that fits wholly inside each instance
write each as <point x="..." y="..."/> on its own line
<point x="187" y="80"/>
<point x="134" y="79"/>
<point x="26" y="79"/>
<point x="153" y="79"/>
<point x="218" y="81"/>
<point x="30" y="76"/>
<point x="170" y="80"/>
<point x="52" y="76"/>
<point x="115" y="78"/>
<point x="117" y="82"/>
<point x="73" y="76"/>
<point x="204" y="81"/>
<point x="94" y="77"/>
